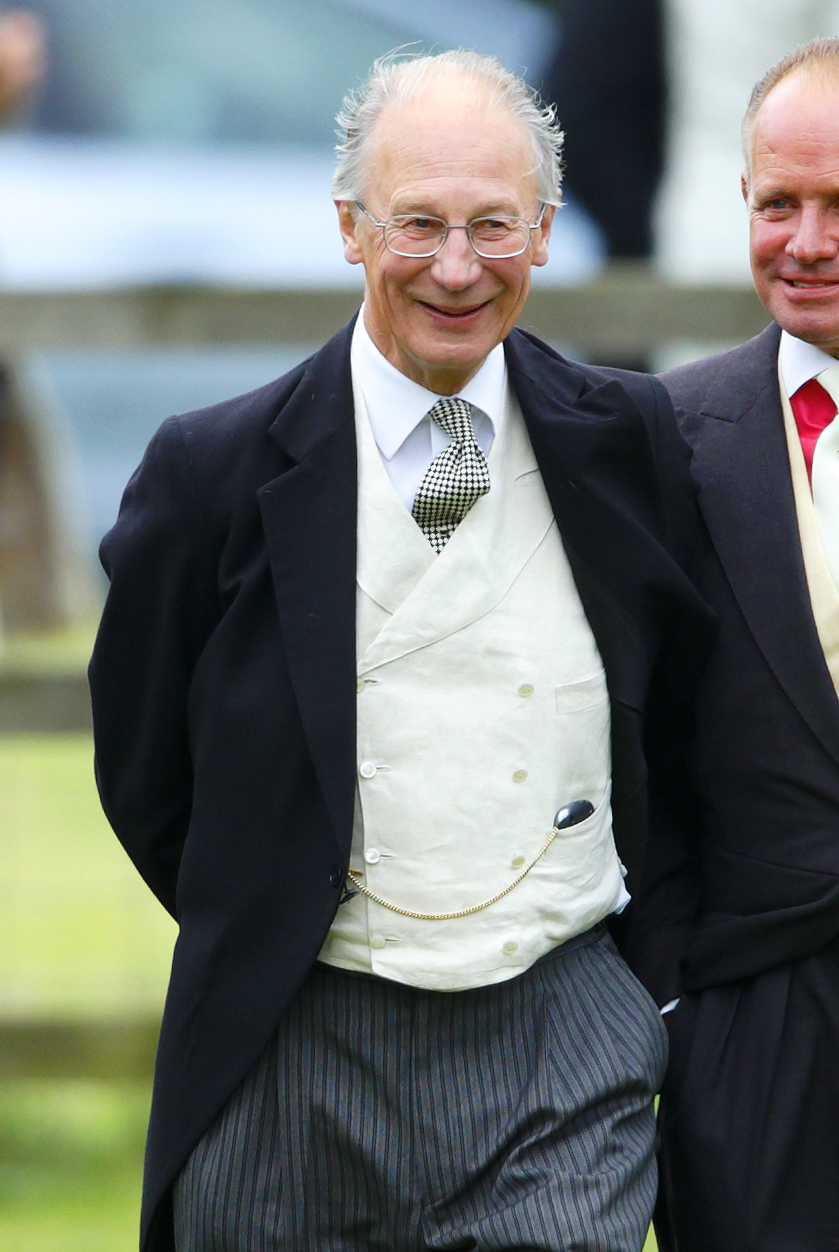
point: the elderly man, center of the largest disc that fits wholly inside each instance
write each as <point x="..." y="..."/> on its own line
<point x="368" y="697"/>
<point x="750" y="1112"/>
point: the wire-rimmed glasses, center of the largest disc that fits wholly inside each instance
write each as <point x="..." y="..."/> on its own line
<point x="418" y="235"/>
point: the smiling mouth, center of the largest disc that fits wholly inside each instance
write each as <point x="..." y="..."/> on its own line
<point x="810" y="284"/>
<point x="454" y="315"/>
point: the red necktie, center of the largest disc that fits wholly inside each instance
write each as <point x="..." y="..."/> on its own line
<point x="813" y="409"/>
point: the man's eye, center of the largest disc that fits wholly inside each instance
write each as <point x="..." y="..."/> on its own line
<point x="419" y="225"/>
<point x="492" y="227"/>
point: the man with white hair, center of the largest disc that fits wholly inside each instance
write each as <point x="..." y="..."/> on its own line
<point x="368" y="695"/>
<point x="750" y="902"/>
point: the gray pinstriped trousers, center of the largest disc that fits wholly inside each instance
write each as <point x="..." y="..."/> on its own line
<point x="382" y="1118"/>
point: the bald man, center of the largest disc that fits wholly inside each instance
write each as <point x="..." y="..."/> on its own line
<point x="750" y="1108"/>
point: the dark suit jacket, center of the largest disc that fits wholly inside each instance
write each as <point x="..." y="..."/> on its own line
<point x="224" y="678"/>
<point x="756" y="884"/>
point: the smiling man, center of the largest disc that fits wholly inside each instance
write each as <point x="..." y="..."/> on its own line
<point x="751" y="903"/>
<point x="369" y="691"/>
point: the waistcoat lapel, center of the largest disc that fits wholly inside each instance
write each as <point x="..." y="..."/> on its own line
<point x="472" y="573"/>
<point x="595" y="458"/>
<point x="393" y="553"/>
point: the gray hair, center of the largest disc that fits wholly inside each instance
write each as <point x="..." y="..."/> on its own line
<point x="396" y="78"/>
<point x="819" y="58"/>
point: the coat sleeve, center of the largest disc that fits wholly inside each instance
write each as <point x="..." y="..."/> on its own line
<point x="161" y="608"/>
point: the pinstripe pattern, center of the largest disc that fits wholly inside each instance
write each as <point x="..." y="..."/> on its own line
<point x="387" y="1119"/>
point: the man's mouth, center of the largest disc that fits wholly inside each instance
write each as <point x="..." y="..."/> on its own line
<point x="454" y="315"/>
<point x="810" y="284"/>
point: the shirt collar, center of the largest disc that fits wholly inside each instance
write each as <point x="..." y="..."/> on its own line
<point x="396" y="404"/>
<point x="800" y="361"/>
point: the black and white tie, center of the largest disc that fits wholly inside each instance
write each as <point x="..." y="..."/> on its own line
<point x="455" y="479"/>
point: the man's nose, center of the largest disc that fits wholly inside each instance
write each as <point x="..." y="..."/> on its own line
<point x="816" y="236"/>
<point x="457" y="264"/>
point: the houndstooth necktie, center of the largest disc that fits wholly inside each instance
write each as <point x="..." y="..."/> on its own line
<point x="456" y="477"/>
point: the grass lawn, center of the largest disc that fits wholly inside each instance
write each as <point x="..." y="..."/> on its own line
<point x="70" y="1165"/>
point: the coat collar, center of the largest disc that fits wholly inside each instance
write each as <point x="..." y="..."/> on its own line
<point x="747" y="379"/>
<point x="746" y="497"/>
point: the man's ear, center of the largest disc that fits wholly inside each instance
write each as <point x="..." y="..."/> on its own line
<point x="744" y="187"/>
<point x="349" y="226"/>
<point x="542" y="235"/>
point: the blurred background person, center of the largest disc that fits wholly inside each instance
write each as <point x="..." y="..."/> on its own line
<point x="22" y="59"/>
<point x="607" y="81"/>
<point x="22" y="70"/>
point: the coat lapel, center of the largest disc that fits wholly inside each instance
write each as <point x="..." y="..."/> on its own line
<point x="746" y="497"/>
<point x="309" y="516"/>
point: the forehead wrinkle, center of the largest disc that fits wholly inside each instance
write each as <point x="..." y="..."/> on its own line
<point x="474" y="93"/>
<point x="776" y="176"/>
<point x="801" y="115"/>
<point x="411" y="153"/>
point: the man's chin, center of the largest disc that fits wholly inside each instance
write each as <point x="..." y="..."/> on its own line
<point x="812" y="327"/>
<point x="813" y="317"/>
<point x="445" y="368"/>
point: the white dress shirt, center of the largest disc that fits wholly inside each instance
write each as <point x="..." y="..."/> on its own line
<point x="397" y="407"/>
<point x="800" y="361"/>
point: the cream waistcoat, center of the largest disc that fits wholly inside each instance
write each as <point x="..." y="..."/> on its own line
<point x="824" y="596"/>
<point x="482" y="709"/>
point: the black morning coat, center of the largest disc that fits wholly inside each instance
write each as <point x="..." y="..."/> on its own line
<point x="224" y="679"/>
<point x="750" y="897"/>
<point x="754" y="884"/>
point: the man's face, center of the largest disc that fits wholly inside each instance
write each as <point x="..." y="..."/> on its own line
<point x="793" y="206"/>
<point x="446" y="155"/>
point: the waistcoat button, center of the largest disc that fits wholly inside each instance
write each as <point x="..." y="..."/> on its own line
<point x="367" y="769"/>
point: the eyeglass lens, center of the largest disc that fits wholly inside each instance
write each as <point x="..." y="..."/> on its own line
<point x="490" y="236"/>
